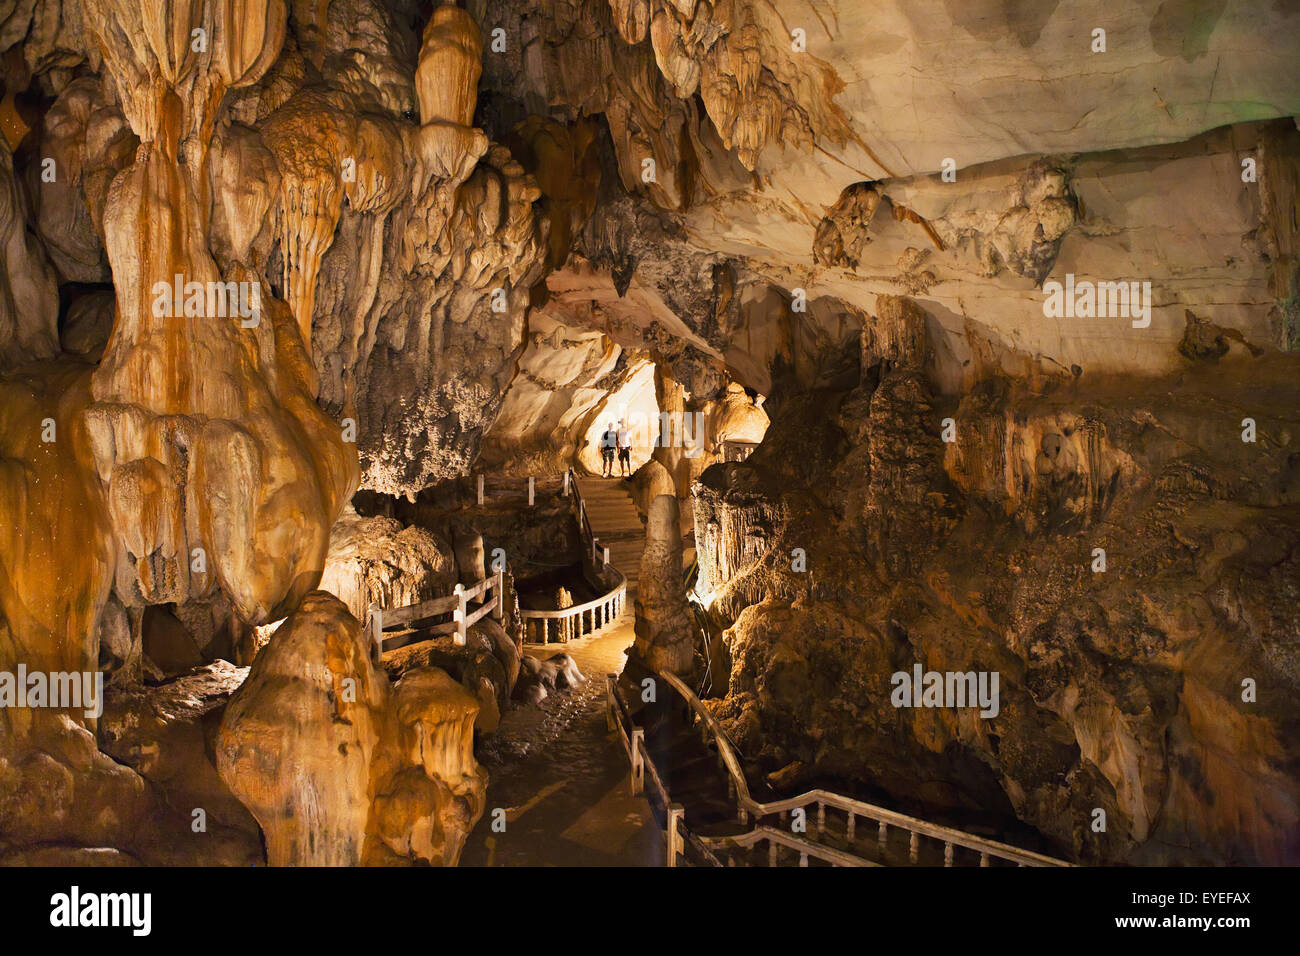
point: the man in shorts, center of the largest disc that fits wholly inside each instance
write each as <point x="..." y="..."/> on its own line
<point x="624" y="449"/>
<point x="608" y="443"/>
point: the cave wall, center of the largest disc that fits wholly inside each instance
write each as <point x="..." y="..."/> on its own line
<point x="1122" y="684"/>
<point x="458" y="250"/>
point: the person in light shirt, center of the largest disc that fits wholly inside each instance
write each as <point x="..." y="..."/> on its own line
<point x="624" y="448"/>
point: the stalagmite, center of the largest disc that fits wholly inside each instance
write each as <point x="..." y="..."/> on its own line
<point x="968" y="340"/>
<point x="665" y="627"/>
<point x="338" y="768"/>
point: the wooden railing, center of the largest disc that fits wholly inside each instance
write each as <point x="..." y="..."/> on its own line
<point x="776" y="838"/>
<point x="516" y="489"/>
<point x="457" y="604"/>
<point x="576" y="620"/>
<point x="677" y="838"/>
<point x="579" y="619"/>
<point x="592" y="615"/>
<point x="736" y="450"/>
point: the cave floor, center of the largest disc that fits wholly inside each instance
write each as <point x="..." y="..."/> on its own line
<point x="561" y="777"/>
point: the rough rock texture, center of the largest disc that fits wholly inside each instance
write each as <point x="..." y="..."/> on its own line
<point x="487" y="665"/>
<point x="201" y="463"/>
<point x="539" y="678"/>
<point x="28" y="296"/>
<point x="339" y="768"/>
<point x="467" y="248"/>
<point x="568" y="385"/>
<point x="422" y="353"/>
<point x="867" y="165"/>
<point x="377" y="561"/>
<point x="665" y="627"/>
<point x="1120" y="688"/>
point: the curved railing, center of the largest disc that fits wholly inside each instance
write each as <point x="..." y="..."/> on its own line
<point x="586" y="618"/>
<point x="748" y="807"/>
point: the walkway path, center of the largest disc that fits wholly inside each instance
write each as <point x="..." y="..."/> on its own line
<point x="560" y="776"/>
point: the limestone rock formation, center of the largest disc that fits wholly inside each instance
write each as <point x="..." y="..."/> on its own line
<point x="539" y="678"/>
<point x="378" y="561"/>
<point x="338" y="768"/>
<point x="29" y="303"/>
<point x="665" y="629"/>
<point x="1079" y="559"/>
<point x="257" y="255"/>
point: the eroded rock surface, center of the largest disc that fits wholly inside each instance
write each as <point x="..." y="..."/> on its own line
<point x="1121" y="682"/>
<point x="432" y="239"/>
<point x="339" y="768"/>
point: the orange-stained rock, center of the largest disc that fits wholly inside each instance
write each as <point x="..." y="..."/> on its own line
<point x="339" y="768"/>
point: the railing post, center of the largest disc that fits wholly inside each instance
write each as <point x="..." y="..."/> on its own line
<point x="676" y="813"/>
<point x="458" y="615"/>
<point x="884" y="835"/>
<point x="947" y="854"/>
<point x="611" y="708"/>
<point x="607" y="557"/>
<point x="848" y="834"/>
<point x="566" y="482"/>
<point x="821" y="817"/>
<point x="500" y="611"/>
<point x="914" y="847"/>
<point x="771" y="852"/>
<point x="480" y="491"/>
<point x="638" y="761"/>
<point x="530" y="492"/>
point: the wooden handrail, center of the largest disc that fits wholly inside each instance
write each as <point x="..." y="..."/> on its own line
<point x="414" y="612"/>
<point x="723" y="742"/>
<point x="805" y="848"/>
<point x="855" y="808"/>
<point x="676" y="834"/>
<point x="633" y="738"/>
<point x="456" y="604"/>
<point x="609" y="604"/>
<point x="577" y="608"/>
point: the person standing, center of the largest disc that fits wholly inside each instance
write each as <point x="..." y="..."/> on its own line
<point x="624" y="448"/>
<point x="608" y="442"/>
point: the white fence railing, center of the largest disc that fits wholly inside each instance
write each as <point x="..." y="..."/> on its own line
<point x="457" y="604"/>
<point x="677" y="834"/>
<point x="592" y="615"/>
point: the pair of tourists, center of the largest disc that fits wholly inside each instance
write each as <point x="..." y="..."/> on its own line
<point x="620" y="440"/>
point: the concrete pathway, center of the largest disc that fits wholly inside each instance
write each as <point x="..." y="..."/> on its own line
<point x="561" y="777"/>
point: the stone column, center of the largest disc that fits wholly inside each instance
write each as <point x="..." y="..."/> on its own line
<point x="665" y="626"/>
